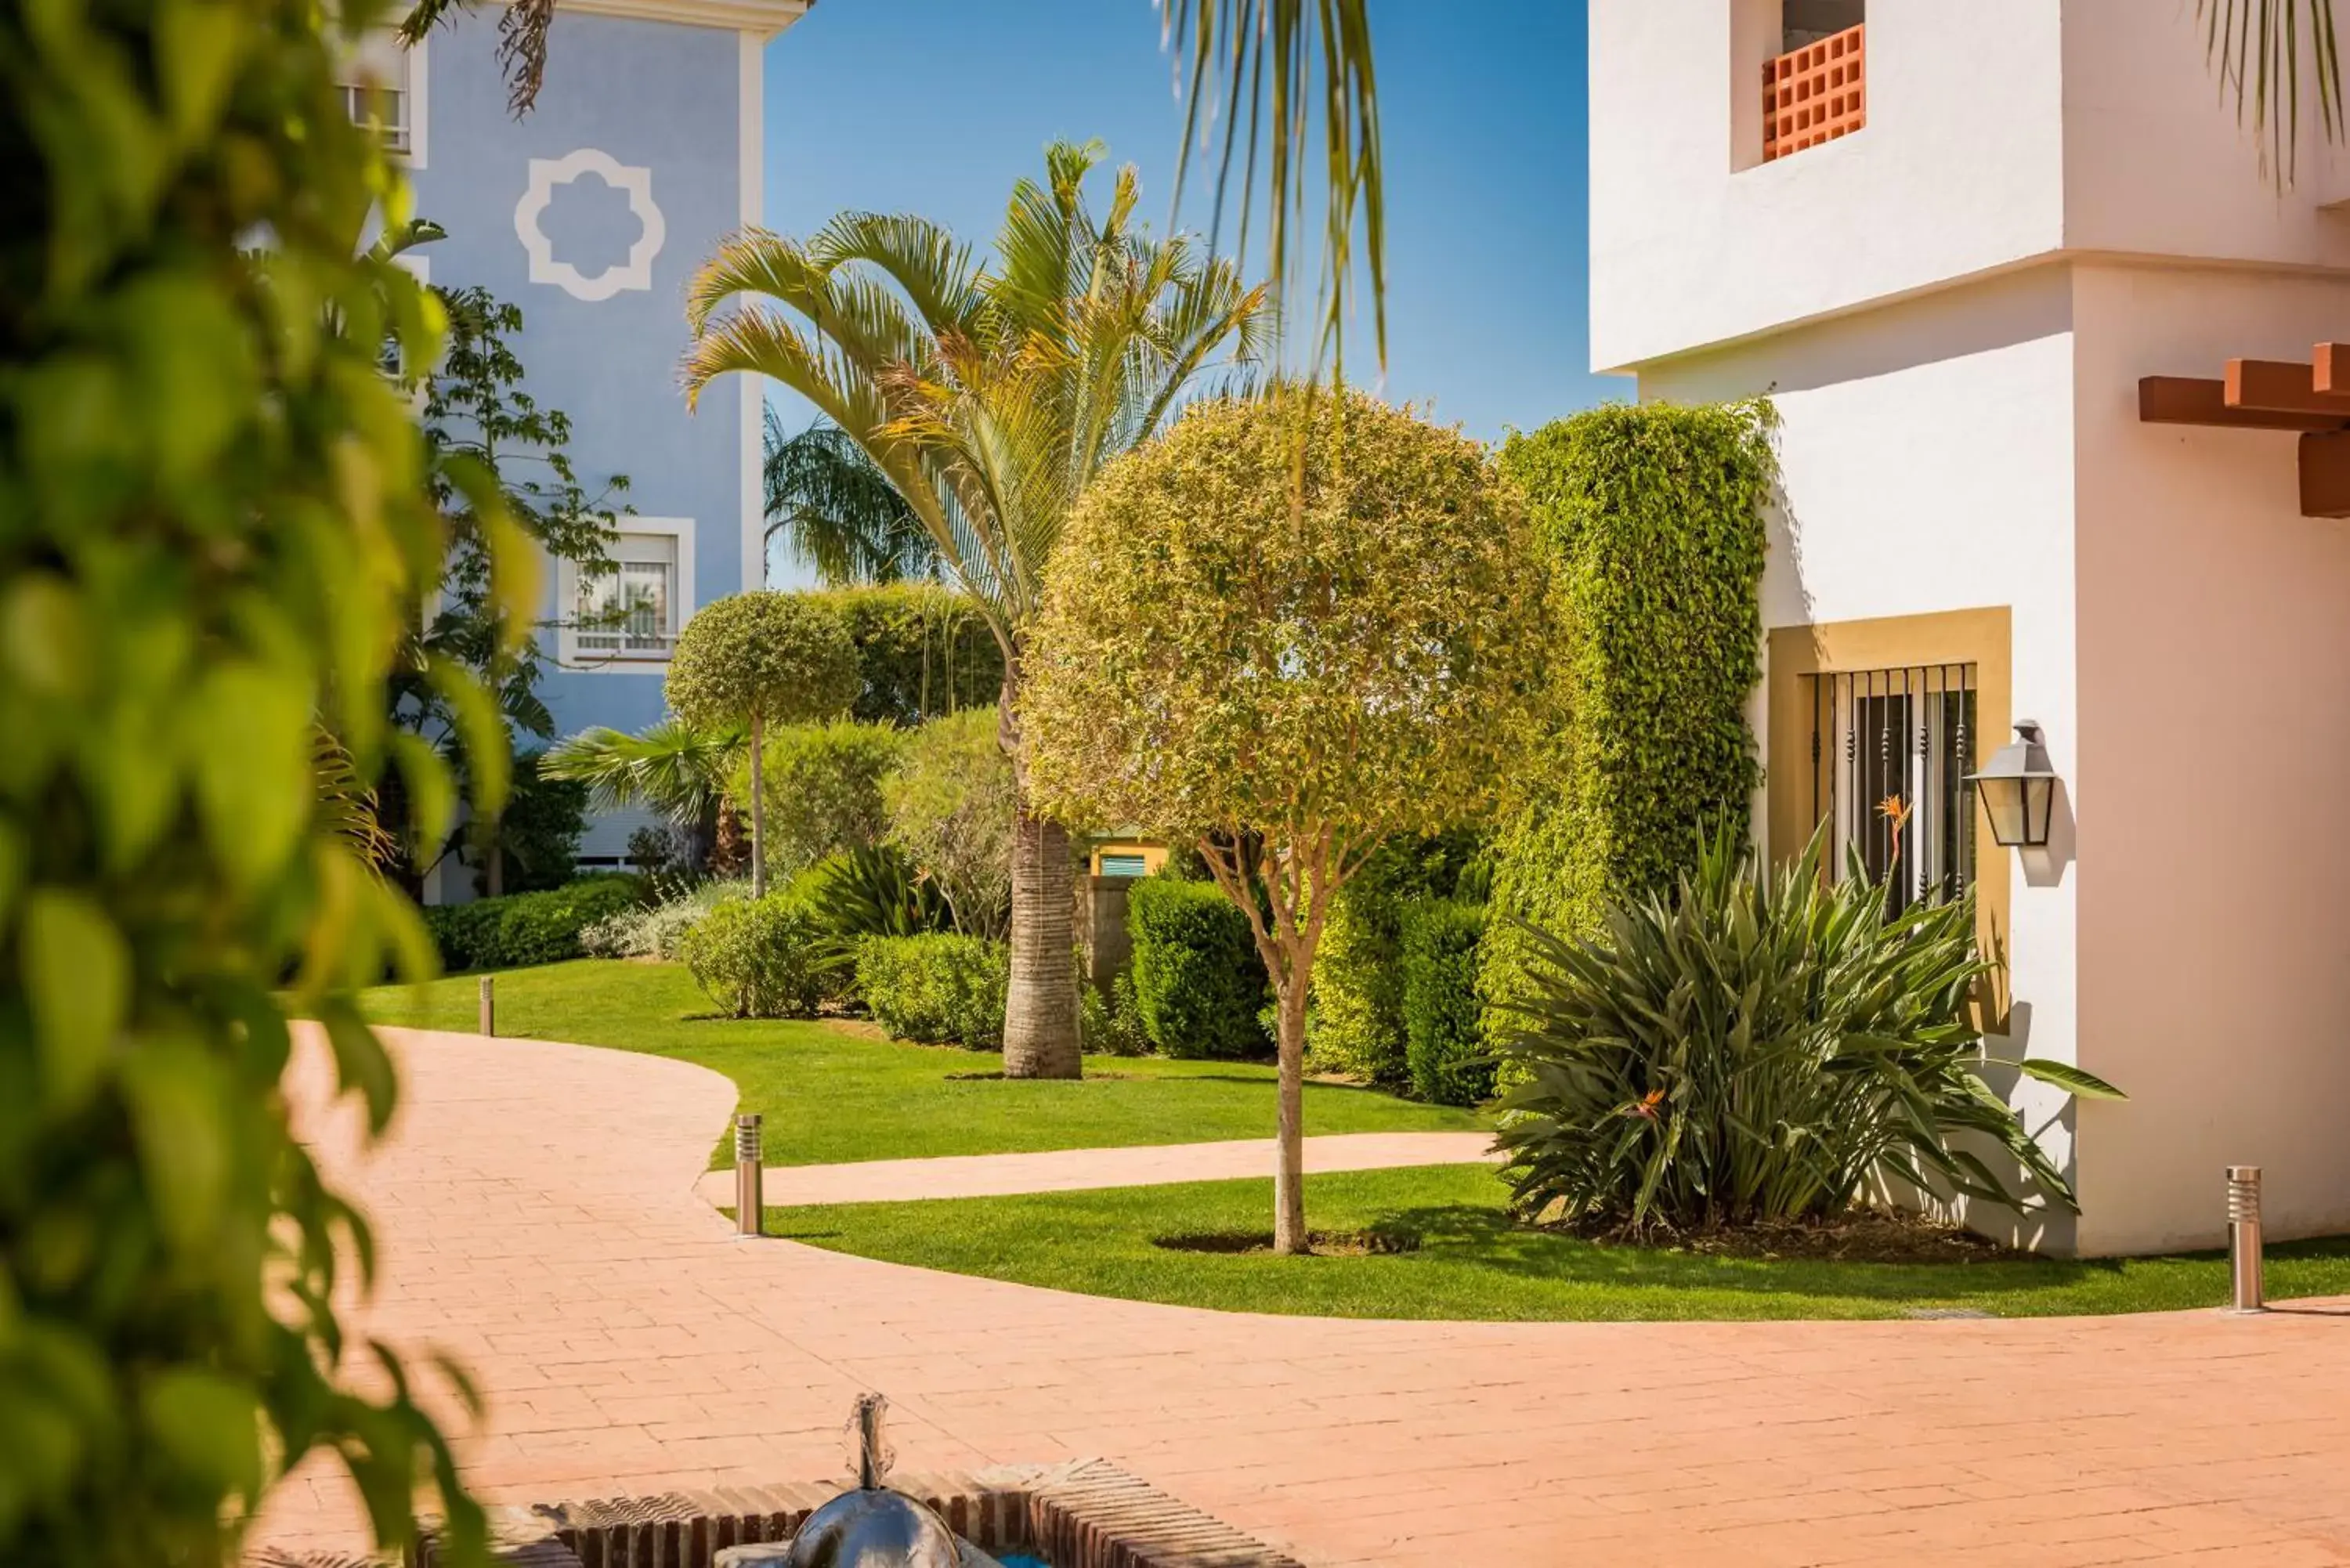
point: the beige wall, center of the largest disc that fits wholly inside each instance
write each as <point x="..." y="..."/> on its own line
<point x="2214" y="775"/>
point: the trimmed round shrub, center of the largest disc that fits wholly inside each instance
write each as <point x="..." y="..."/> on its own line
<point x="759" y="957"/>
<point x="937" y="989"/>
<point x="1198" y="985"/>
<point x="1443" y="1033"/>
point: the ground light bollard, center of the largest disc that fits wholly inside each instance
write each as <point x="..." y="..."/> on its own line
<point x="749" y="1205"/>
<point x="489" y="1019"/>
<point x="2244" y="1239"/>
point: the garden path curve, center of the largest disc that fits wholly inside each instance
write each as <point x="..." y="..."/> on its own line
<point x="1076" y="1169"/>
<point x="536" y="1209"/>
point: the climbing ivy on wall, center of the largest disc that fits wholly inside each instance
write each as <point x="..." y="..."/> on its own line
<point x="1651" y="518"/>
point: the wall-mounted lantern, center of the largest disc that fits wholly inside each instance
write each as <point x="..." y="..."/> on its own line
<point x="2018" y="789"/>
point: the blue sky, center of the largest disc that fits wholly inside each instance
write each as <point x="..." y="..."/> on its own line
<point x="937" y="106"/>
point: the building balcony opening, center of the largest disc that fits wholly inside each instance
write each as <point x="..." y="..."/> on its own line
<point x="1816" y="88"/>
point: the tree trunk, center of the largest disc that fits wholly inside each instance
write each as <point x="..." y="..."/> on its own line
<point x="1289" y="1171"/>
<point x="1040" y="1009"/>
<point x="1040" y="1013"/>
<point x="758" y="813"/>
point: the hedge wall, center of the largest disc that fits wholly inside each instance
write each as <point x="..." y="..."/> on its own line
<point x="1443" y="1039"/>
<point x="1358" y="1025"/>
<point x="1651" y="521"/>
<point x="527" y="928"/>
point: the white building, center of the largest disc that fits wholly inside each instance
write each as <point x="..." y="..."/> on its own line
<point x="2020" y="210"/>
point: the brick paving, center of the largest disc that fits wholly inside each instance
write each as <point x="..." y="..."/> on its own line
<point x="537" y="1218"/>
<point x="1074" y="1169"/>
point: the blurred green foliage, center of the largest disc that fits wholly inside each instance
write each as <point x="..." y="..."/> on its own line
<point x="215" y="522"/>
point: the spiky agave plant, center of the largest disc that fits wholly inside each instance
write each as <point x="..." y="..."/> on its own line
<point x="1758" y="1047"/>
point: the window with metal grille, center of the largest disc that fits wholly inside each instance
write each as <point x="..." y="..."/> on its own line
<point x="1891" y="752"/>
<point x="628" y="611"/>
<point x="1117" y="865"/>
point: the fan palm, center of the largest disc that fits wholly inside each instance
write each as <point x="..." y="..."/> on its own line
<point x="989" y="393"/>
<point x="839" y="513"/>
<point x="673" y="768"/>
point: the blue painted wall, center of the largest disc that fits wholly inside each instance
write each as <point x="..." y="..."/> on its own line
<point x="656" y="95"/>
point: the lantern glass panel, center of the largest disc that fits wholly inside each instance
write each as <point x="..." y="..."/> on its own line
<point x="2003" y="800"/>
<point x="2040" y="806"/>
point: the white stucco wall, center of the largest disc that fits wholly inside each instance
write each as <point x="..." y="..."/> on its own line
<point x="2214" y="765"/>
<point x="2156" y="163"/>
<point x="1958" y="170"/>
<point x="1927" y="463"/>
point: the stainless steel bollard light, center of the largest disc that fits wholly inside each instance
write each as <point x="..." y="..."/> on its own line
<point x="489" y="1005"/>
<point x="2244" y="1239"/>
<point x="750" y="1208"/>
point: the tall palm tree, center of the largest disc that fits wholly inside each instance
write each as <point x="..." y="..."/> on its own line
<point x="837" y="513"/>
<point x="991" y="393"/>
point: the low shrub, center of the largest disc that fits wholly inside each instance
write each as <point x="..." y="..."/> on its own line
<point x="938" y="989"/>
<point x="760" y="958"/>
<point x="654" y="930"/>
<point x="1111" y="1025"/>
<point x="1759" y="1049"/>
<point x="528" y="928"/>
<point x="823" y="786"/>
<point x="874" y="890"/>
<point x="1450" y="1061"/>
<point x="1198" y="985"/>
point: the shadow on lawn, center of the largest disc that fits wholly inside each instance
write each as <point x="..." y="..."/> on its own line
<point x="1471" y="1236"/>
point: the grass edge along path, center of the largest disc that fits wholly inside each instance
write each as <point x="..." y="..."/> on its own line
<point x="1473" y="1264"/>
<point x="832" y="1092"/>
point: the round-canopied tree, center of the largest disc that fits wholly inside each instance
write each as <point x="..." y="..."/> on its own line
<point x="1286" y="673"/>
<point x="760" y="658"/>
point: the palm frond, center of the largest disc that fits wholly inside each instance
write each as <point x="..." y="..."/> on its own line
<point x="1266" y="67"/>
<point x="837" y="513"/>
<point x="987" y="395"/>
<point x="2255" y="48"/>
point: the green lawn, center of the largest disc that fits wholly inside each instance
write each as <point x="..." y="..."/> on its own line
<point x="832" y="1092"/>
<point x="1474" y="1263"/>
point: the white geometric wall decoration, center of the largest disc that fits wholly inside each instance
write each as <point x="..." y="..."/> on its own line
<point x="545" y="174"/>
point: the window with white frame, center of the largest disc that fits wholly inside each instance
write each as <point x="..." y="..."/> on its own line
<point x="382" y="82"/>
<point x="631" y="614"/>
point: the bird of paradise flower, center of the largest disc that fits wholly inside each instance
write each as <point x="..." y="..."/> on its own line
<point x="1895" y="812"/>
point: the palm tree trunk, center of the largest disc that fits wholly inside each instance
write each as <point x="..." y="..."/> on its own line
<point x="1040" y="1013"/>
<point x="1040" y="1008"/>
<point x="758" y="812"/>
<point x="1289" y="1234"/>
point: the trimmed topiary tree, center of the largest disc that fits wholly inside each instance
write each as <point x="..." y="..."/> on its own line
<point x="1287" y="631"/>
<point x="758" y="658"/>
<point x="1650" y="524"/>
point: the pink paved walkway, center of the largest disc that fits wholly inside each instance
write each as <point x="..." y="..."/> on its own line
<point x="537" y="1215"/>
<point x="1073" y="1170"/>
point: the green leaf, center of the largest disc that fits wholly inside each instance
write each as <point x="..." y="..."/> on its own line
<point x="179" y="1113"/>
<point x="2079" y="1082"/>
<point x="209" y="1424"/>
<point x="247" y="733"/>
<point x="76" y="977"/>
